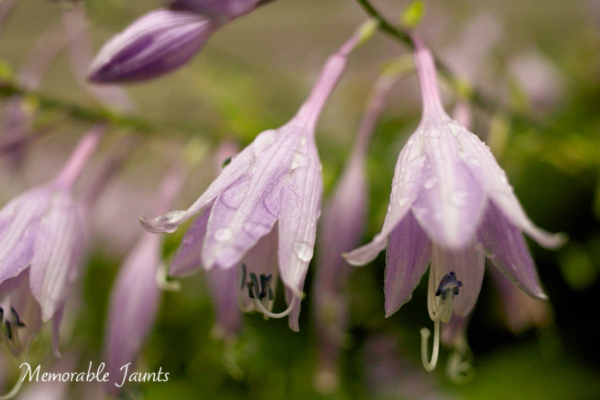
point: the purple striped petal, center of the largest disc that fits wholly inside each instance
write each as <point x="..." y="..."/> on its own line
<point x="188" y="259"/>
<point x="408" y="253"/>
<point x="133" y="306"/>
<point x="468" y="265"/>
<point x="450" y="202"/>
<point x="405" y="187"/>
<point x="248" y="209"/>
<point x="18" y="225"/>
<point x="156" y="43"/>
<point x="506" y="248"/>
<point x="59" y="242"/>
<point x="239" y="166"/>
<point x="300" y="209"/>
<point x="491" y="177"/>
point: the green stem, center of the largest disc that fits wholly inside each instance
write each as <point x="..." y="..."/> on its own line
<point x="476" y="96"/>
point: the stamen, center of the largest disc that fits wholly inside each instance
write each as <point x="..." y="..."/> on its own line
<point x="425" y="333"/>
<point x="447" y="284"/>
<point x="243" y="276"/>
<point x="1" y="314"/>
<point x="459" y="368"/>
<point x="268" y="313"/>
<point x="442" y="313"/>
<point x="265" y="280"/>
<point x="18" y="321"/>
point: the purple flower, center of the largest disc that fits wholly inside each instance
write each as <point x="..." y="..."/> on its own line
<point x="43" y="236"/>
<point x="451" y="204"/>
<point x="155" y="44"/>
<point x="136" y="294"/>
<point x="271" y="190"/>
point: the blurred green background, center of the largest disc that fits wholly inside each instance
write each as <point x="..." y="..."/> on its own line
<point x="538" y="56"/>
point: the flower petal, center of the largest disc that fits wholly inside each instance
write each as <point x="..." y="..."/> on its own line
<point x="58" y="247"/>
<point x="18" y="221"/>
<point x="450" y="202"/>
<point x="506" y="248"/>
<point x="408" y="253"/>
<point x="156" y="43"/>
<point x="300" y="209"/>
<point x="248" y="209"/>
<point x="240" y="165"/>
<point x="405" y="187"/>
<point x="468" y="265"/>
<point x="492" y="179"/>
<point x="188" y="259"/>
<point x="133" y="307"/>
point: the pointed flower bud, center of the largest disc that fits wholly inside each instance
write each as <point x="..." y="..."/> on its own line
<point x="156" y="43"/>
<point x="274" y="182"/>
<point x="42" y="233"/>
<point x="451" y="204"/>
<point x="136" y="294"/>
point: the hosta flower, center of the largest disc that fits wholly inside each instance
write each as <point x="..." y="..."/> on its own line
<point x="42" y="238"/>
<point x="270" y="192"/>
<point x="451" y="205"/>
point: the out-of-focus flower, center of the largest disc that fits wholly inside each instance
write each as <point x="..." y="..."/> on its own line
<point x="341" y="229"/>
<point x="539" y="79"/>
<point x="155" y="44"/>
<point x="389" y="376"/>
<point x="451" y="203"/>
<point x="136" y="294"/>
<point x="520" y="311"/>
<point x="42" y="237"/>
<point x="271" y="190"/>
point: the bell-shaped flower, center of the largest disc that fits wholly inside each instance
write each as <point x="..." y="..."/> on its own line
<point x="136" y="295"/>
<point x="451" y="205"/>
<point x="43" y="236"/>
<point x="155" y="44"/>
<point x="275" y="182"/>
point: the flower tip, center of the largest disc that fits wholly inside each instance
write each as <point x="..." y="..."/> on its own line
<point x="166" y="223"/>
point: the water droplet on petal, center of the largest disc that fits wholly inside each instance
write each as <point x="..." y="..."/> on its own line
<point x="455" y="127"/>
<point x="403" y="201"/>
<point x="223" y="234"/>
<point x="262" y="141"/>
<point x="304" y="251"/>
<point x="431" y="182"/>
<point x="458" y="198"/>
<point x="475" y="162"/>
<point x="434" y="133"/>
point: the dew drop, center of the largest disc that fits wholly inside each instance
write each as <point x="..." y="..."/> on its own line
<point x="455" y="127"/>
<point x="431" y="182"/>
<point x="434" y="133"/>
<point x="474" y="162"/>
<point x="458" y="198"/>
<point x="304" y="251"/>
<point x="403" y="201"/>
<point x="223" y="234"/>
<point x="262" y="141"/>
